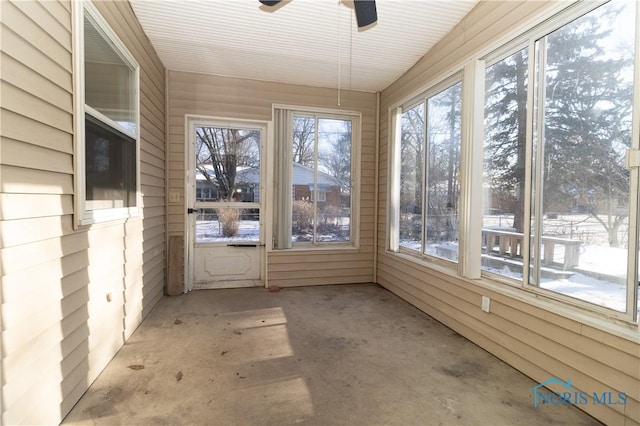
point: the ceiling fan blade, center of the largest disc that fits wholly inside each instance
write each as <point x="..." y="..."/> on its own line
<point x="269" y="2"/>
<point x="366" y="12"/>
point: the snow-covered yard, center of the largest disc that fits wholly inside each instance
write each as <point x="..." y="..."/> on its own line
<point x="599" y="277"/>
<point x="210" y="231"/>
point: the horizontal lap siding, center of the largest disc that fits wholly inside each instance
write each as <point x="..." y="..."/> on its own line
<point x="58" y="329"/>
<point x="208" y="95"/>
<point x="144" y="239"/>
<point x="532" y="338"/>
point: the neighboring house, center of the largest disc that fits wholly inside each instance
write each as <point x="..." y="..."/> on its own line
<point x="248" y="188"/>
<point x="303" y="185"/>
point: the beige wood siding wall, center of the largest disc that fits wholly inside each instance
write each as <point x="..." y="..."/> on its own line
<point x="58" y="329"/>
<point x="248" y="99"/>
<point x="530" y="336"/>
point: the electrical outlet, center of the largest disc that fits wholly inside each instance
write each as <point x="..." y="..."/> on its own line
<point x="486" y="303"/>
<point x="174" y="197"/>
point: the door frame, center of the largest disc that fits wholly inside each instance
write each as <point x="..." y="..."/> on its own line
<point x="266" y="158"/>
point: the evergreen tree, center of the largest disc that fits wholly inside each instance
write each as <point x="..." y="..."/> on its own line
<point x="587" y="122"/>
<point x="505" y="133"/>
<point x="587" y="112"/>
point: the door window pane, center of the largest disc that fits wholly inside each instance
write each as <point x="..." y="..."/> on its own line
<point x="411" y="177"/>
<point x="227" y="164"/>
<point x="582" y="207"/>
<point x="504" y="165"/>
<point x="443" y="163"/>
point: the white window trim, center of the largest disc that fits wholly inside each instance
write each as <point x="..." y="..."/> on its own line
<point x="535" y="28"/>
<point x="356" y="138"/>
<point x="395" y="165"/>
<point x="471" y="169"/>
<point x="82" y="215"/>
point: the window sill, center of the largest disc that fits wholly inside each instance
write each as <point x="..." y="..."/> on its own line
<point x="309" y="248"/>
<point x="92" y="217"/>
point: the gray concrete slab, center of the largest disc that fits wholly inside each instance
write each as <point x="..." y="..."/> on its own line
<point x="336" y="355"/>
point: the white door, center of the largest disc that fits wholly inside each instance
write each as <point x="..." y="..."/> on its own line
<point x="225" y="200"/>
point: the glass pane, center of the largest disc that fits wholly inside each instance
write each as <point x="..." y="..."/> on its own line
<point x="588" y="89"/>
<point x="504" y="165"/>
<point x="227" y="224"/>
<point x="321" y="193"/>
<point x="333" y="181"/>
<point x="110" y="167"/>
<point x="411" y="177"/>
<point x="109" y="80"/>
<point x="303" y="209"/>
<point x="443" y="163"/>
<point x="227" y="164"/>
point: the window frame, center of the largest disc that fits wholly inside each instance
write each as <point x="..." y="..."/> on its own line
<point x="285" y="168"/>
<point x="529" y="40"/>
<point x="84" y="215"/>
<point x="473" y="69"/>
<point x="396" y="168"/>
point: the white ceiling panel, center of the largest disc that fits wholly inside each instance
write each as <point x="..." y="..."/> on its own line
<point x="299" y="42"/>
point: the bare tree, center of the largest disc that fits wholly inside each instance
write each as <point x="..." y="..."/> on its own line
<point x="219" y="153"/>
<point x="304" y="131"/>
<point x="337" y="159"/>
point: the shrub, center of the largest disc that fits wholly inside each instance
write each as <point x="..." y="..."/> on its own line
<point x="328" y="221"/>
<point x="229" y="218"/>
<point x="302" y="214"/>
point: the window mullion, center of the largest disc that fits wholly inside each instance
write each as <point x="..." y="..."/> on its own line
<point x="424" y="178"/>
<point x="528" y="174"/>
<point x="471" y="159"/>
<point x="394" y="187"/>
<point x="540" y="93"/>
<point x="634" y="189"/>
<point x="314" y="192"/>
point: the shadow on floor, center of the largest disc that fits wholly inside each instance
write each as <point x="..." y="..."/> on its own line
<point x="329" y="355"/>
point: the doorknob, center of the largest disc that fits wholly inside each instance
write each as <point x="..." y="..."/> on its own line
<point x="190" y="210"/>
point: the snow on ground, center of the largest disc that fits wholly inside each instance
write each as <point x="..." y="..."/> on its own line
<point x="602" y="283"/>
<point x="599" y="292"/>
<point x="598" y="262"/>
<point x="596" y="258"/>
<point x="604" y="268"/>
<point x="211" y="232"/>
<point x="249" y="231"/>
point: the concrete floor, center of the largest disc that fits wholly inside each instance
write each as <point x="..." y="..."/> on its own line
<point x="336" y="355"/>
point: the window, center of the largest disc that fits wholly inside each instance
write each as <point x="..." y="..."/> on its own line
<point x="559" y="183"/>
<point x="319" y="210"/>
<point x="505" y="137"/>
<point x="580" y="190"/>
<point x="411" y="177"/>
<point x="321" y="195"/>
<point x="107" y="123"/>
<point x="429" y="165"/>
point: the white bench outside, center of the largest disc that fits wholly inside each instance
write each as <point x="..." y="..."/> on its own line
<point x="509" y="243"/>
